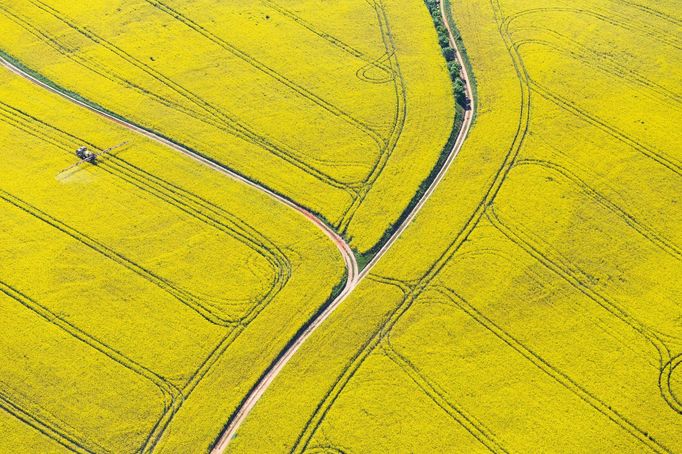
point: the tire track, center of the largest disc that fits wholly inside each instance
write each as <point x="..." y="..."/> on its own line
<point x="170" y="410"/>
<point x="336" y="42"/>
<point x="566" y="270"/>
<point x="398" y="123"/>
<point x="500" y="175"/>
<point x="110" y="73"/>
<point x="352" y="266"/>
<point x="104" y="71"/>
<point x="366" y="349"/>
<point x="172" y="396"/>
<point x="665" y="383"/>
<point x="50" y="429"/>
<point x="165" y="419"/>
<point x="659" y="157"/>
<point x="508" y="161"/>
<point x="666" y="161"/>
<point x="178" y="294"/>
<point x="169" y="391"/>
<point x="639" y="20"/>
<point x="263" y="68"/>
<point x="364" y="72"/>
<point x="211" y="359"/>
<point x="326" y="449"/>
<point x="648" y="233"/>
<point x="439" y="397"/>
<point x="400" y="87"/>
<point x="665" y="39"/>
<point x="524" y="80"/>
<point x="601" y="62"/>
<point x="652" y="11"/>
<point x="546" y="367"/>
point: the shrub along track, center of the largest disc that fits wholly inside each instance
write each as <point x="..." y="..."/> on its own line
<point x="204" y="111"/>
<point x="210" y="114"/>
<point x="353" y="273"/>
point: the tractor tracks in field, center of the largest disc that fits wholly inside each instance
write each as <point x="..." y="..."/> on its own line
<point x="658" y="156"/>
<point x="190" y="204"/>
<point x="52" y="427"/>
<point x="439" y="397"/>
<point x="558" y="375"/>
<point x="204" y="111"/>
<point x="573" y="275"/>
<point x="562" y="172"/>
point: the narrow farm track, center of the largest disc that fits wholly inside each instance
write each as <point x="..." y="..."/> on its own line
<point x="354" y="275"/>
<point x="344" y="249"/>
<point x="255" y="394"/>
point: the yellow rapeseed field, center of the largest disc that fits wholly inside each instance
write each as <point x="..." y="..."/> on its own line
<point x="141" y="297"/>
<point x="534" y="304"/>
<point x="343" y="107"/>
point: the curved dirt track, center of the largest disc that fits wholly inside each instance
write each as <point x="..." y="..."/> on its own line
<point x="344" y="248"/>
<point x="353" y="274"/>
<point x="257" y="391"/>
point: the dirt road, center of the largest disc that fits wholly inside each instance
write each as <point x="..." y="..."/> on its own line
<point x="265" y="381"/>
<point x="353" y="274"/>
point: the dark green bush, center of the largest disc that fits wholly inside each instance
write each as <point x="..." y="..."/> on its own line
<point x="454" y="67"/>
<point x="449" y="53"/>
